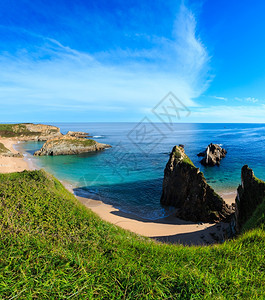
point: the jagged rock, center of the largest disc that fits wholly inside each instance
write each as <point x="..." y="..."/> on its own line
<point x="77" y="134"/>
<point x="185" y="188"/>
<point x="68" y="145"/>
<point x="212" y="155"/>
<point x="250" y="194"/>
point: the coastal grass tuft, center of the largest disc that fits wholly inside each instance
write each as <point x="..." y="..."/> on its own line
<point x="52" y="247"/>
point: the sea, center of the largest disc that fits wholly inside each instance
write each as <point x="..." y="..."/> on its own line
<point x="129" y="175"/>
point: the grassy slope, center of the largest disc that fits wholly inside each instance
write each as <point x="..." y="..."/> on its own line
<point x="51" y="247"/>
<point x="78" y="142"/>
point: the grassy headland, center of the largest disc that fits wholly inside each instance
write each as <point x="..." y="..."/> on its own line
<point x="52" y="247"/>
<point x="15" y="130"/>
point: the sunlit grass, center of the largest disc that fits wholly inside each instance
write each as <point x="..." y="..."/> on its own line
<point x="52" y="247"/>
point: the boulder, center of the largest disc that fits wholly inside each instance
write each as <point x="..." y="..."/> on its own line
<point x="185" y="188"/>
<point x="212" y="155"/>
<point x="68" y="145"/>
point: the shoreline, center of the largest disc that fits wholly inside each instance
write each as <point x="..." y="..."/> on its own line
<point x="13" y="164"/>
<point x="169" y="229"/>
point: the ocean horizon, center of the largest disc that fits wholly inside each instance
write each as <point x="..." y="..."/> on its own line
<point x="129" y="175"/>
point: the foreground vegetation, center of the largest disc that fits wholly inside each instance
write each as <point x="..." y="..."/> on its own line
<point x="52" y="247"/>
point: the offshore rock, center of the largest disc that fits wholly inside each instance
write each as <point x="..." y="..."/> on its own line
<point x="77" y="134"/>
<point x="185" y="188"/>
<point x="212" y="155"/>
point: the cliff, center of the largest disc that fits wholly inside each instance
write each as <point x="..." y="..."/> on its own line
<point x="29" y="132"/>
<point x="250" y="194"/>
<point x="185" y="188"/>
<point x="69" y="145"/>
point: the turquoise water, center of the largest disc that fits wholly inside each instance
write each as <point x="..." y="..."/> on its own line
<point x="129" y="175"/>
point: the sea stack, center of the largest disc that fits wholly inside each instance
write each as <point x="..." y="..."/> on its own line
<point x="212" y="155"/>
<point x="185" y="188"/>
<point x="250" y="194"/>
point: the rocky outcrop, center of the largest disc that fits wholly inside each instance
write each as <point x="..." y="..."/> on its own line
<point x="250" y="194"/>
<point x="29" y="131"/>
<point x="185" y="188"/>
<point x="68" y="145"/>
<point x="11" y="154"/>
<point x="8" y="153"/>
<point x="212" y="155"/>
<point x="77" y="134"/>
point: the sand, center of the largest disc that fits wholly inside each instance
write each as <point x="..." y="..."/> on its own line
<point x="169" y="229"/>
<point x="12" y="164"/>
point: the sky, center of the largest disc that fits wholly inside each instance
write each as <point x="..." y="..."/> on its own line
<point x="107" y="61"/>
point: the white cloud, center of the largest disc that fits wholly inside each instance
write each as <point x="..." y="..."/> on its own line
<point x="220" y="98"/>
<point x="225" y="113"/>
<point x="247" y="99"/>
<point x="69" y="78"/>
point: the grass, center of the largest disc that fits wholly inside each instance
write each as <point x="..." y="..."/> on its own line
<point x="186" y="160"/>
<point x="15" y="130"/>
<point x="83" y="142"/>
<point x="3" y="149"/>
<point x="51" y="247"/>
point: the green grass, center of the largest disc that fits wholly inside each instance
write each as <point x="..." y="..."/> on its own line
<point x="186" y="160"/>
<point x="51" y="247"/>
<point x="83" y="142"/>
<point x="3" y="149"/>
<point x="15" y="130"/>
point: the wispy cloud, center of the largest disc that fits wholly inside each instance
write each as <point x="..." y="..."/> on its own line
<point x="225" y="113"/>
<point x="220" y="98"/>
<point x="50" y="74"/>
<point x="247" y="99"/>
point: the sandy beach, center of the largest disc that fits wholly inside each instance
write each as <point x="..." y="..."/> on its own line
<point x="169" y="229"/>
<point x="12" y="164"/>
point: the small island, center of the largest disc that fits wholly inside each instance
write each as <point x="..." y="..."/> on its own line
<point x="70" y="145"/>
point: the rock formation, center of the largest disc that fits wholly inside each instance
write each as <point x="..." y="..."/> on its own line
<point x="212" y="155"/>
<point x="7" y="153"/>
<point x="250" y="194"/>
<point x="77" y="134"/>
<point x="185" y="188"/>
<point x="68" y="145"/>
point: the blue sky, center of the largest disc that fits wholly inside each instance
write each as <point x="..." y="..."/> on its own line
<point x="111" y="60"/>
